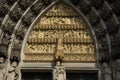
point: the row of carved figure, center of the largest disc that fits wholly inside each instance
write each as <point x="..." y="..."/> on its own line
<point x="60" y="8"/>
<point x="61" y="20"/>
<point x="38" y="58"/>
<point x="55" y="34"/>
<point x="50" y="48"/>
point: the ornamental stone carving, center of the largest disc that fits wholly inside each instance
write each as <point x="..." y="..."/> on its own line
<point x="93" y="17"/>
<point x="59" y="72"/>
<point x="3" y="10"/>
<point x="97" y="4"/>
<point x="10" y="1"/>
<point x="14" y="72"/>
<point x="5" y="41"/>
<point x="105" y="13"/>
<point x="2" y="68"/>
<point x="36" y="8"/>
<point x="59" y="52"/>
<point x="27" y="20"/>
<point x="20" y="34"/>
<point x="9" y="28"/>
<point x="118" y="69"/>
<point x="75" y="2"/>
<point x="85" y="7"/>
<point x="106" y="72"/>
<point x="3" y="50"/>
<point x="24" y="4"/>
<point x="100" y="32"/>
<point x="61" y="35"/>
<point x="111" y="26"/>
<point x="116" y="7"/>
<point x="46" y="2"/>
<point x="15" y="15"/>
<point x="15" y="54"/>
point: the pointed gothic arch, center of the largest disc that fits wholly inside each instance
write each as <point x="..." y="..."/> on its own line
<point x="102" y="14"/>
<point x="77" y="11"/>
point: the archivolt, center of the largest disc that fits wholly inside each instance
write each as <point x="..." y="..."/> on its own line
<point x="17" y="17"/>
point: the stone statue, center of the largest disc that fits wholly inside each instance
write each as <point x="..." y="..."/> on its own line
<point x="2" y="68"/>
<point x="14" y="72"/>
<point x="59" y="72"/>
<point x="106" y="72"/>
<point x="54" y="9"/>
<point x="36" y="8"/>
<point x="118" y="69"/>
<point x="59" y="54"/>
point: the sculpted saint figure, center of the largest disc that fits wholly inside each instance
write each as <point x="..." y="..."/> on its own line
<point x="118" y="70"/>
<point x="59" y="54"/>
<point x="59" y="72"/>
<point x="1" y="68"/>
<point x="14" y="72"/>
<point x="106" y="72"/>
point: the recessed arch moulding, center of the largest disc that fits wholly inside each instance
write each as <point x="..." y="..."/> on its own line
<point x="19" y="18"/>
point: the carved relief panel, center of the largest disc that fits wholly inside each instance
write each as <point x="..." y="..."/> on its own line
<point x="76" y="40"/>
